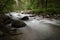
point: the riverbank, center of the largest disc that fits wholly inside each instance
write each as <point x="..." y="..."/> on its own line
<point x="51" y="15"/>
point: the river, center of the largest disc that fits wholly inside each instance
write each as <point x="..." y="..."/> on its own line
<point x="38" y="29"/>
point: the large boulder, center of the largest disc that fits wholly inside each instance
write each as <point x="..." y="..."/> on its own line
<point x="5" y="19"/>
<point x="18" y="24"/>
<point x="25" y="18"/>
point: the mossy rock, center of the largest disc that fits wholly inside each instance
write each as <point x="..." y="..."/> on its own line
<point x="18" y="24"/>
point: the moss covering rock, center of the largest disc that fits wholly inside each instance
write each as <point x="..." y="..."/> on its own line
<point x="18" y="24"/>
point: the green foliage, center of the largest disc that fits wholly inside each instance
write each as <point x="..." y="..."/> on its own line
<point x="53" y="10"/>
<point x="6" y="5"/>
<point x="40" y="6"/>
<point x="28" y="4"/>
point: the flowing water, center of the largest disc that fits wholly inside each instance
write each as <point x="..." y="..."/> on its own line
<point x="38" y="29"/>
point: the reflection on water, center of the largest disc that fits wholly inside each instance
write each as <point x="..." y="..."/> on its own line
<point x="45" y="29"/>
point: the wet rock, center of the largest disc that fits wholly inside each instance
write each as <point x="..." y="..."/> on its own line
<point x="18" y="24"/>
<point x="47" y="16"/>
<point x="5" y="19"/>
<point x="25" y="18"/>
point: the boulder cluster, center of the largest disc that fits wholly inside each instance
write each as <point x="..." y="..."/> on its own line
<point x="6" y="20"/>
